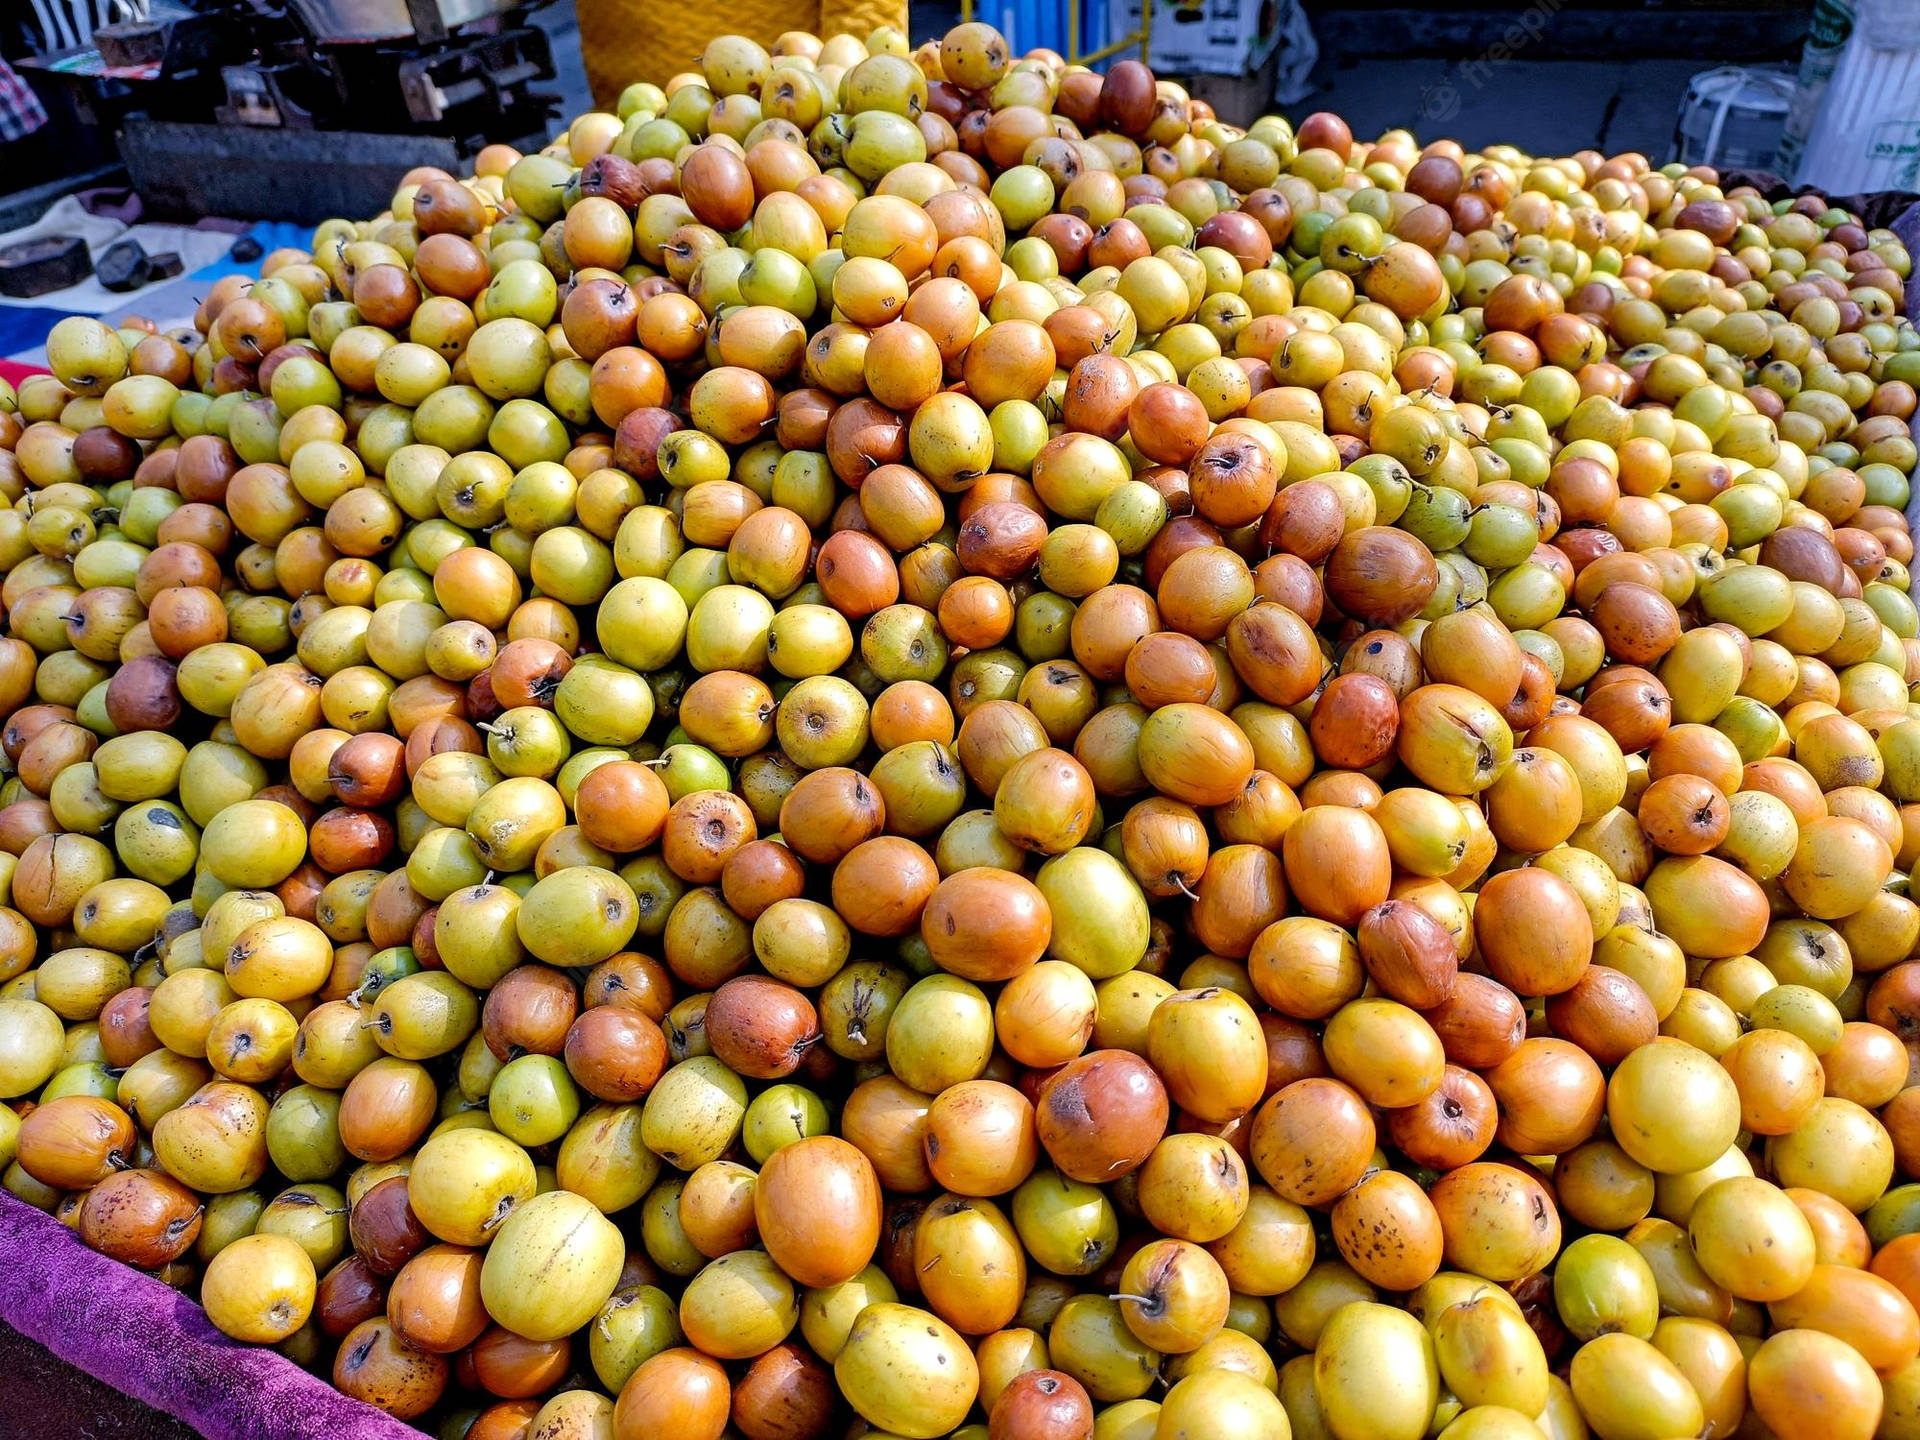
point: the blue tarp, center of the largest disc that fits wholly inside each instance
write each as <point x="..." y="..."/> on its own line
<point x="24" y="325"/>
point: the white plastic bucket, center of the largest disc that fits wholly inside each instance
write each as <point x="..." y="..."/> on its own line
<point x="1732" y="118"/>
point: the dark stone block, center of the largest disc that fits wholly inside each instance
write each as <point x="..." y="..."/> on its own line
<point x="123" y="266"/>
<point x="41" y="266"/>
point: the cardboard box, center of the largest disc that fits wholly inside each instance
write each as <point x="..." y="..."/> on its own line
<point x="1204" y="37"/>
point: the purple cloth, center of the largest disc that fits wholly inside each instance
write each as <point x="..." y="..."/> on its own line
<point x="1907" y="227"/>
<point x="146" y="1340"/>
<point x="120" y="202"/>
<point x="116" y="202"/>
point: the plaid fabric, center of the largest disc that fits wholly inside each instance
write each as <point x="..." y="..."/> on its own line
<point x="21" y="112"/>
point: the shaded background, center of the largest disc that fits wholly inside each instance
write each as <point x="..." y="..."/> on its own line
<point x="1608" y="76"/>
<point x="1554" y="75"/>
<point x="47" y="1399"/>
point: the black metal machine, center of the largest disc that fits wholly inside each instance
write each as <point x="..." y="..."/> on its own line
<point x="303" y="109"/>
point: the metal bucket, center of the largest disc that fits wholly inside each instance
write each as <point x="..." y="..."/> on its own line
<point x="334" y="22"/>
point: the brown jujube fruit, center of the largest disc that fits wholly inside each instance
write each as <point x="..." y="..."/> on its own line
<point x="986" y="925"/>
<point x="142" y="1218"/>
<point x="1605" y="1013"/>
<point x="1354" y="721"/>
<point x="1551" y="1095"/>
<point x="529" y="1012"/>
<point x="817" y="1206"/>
<point x="512" y="1366"/>
<point x="761" y="1027"/>
<point x="1312" y="1141"/>
<point x="615" y="1053"/>
<point x="384" y="1230"/>
<point x="1042" y="1405"/>
<point x="1480" y="1024"/>
<point x="434" y="1301"/>
<point x="1100" y="1115"/>
<point x="785" y="1394"/>
<point x="1381" y="576"/>
<point x="1451" y="1127"/>
<point x="347" y="1294"/>
<point x="1409" y="954"/>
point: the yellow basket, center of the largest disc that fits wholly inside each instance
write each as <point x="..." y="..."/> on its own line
<point x="625" y="41"/>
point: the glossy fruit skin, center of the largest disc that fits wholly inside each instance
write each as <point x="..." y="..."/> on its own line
<point x="1207" y="1048"/>
<point x="374" y="1366"/>
<point x="260" y="1288"/>
<point x="1122" y="1097"/>
<point x="1043" y="1402"/>
<point x="1313" y="1140"/>
<point x="984" y="925"/>
<point x="141" y="1218"/>
<point x="434" y="1303"/>
<point x="923" y="1396"/>
<point x="383" y="1228"/>
<point x="1401" y="1409"/>
<point x="541" y="1234"/>
<point x="822" y="1181"/>
<point x="75" y="1141"/>
<point x="958" y="692"/>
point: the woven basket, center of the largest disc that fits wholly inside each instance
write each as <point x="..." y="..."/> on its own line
<point x="624" y="41"/>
